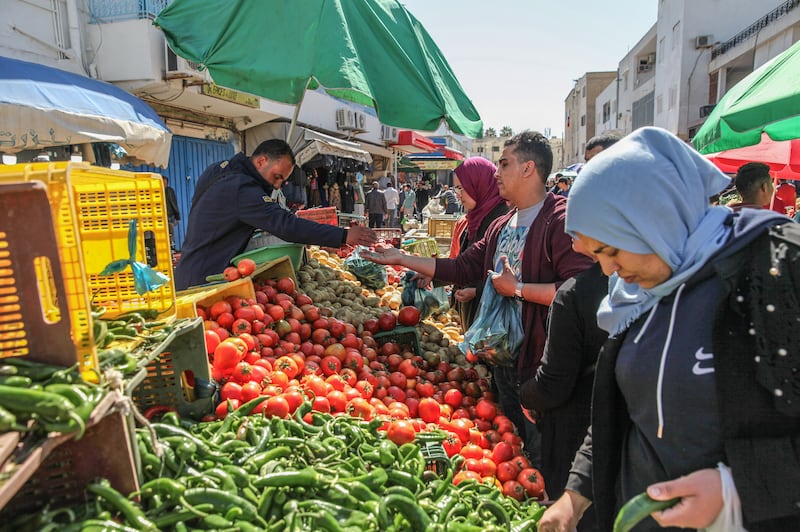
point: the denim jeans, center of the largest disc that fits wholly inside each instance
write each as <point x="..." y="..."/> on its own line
<point x="508" y="394"/>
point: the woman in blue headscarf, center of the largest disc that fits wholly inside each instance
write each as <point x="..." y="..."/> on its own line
<point x="697" y="390"/>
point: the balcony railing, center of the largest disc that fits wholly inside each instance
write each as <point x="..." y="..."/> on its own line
<point x="754" y="28"/>
<point x="102" y="11"/>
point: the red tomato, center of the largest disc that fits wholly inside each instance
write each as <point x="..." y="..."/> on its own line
<point x="331" y="365"/>
<point x="286" y="285"/>
<point x="408" y="316"/>
<point x="321" y="404"/>
<point x="486" y="409"/>
<point x="225" y="407"/>
<point x="246" y="266"/>
<point x="230" y="390"/>
<point x="231" y="273"/>
<point x="276" y="406"/>
<point x="429" y="410"/>
<point x="507" y="471"/>
<point x="250" y="390"/>
<point x="387" y="321"/>
<point x="294" y="398"/>
<point x="502" y="424"/>
<point x="502" y="452"/>
<point x="242" y="372"/>
<point x="360" y="407"/>
<point x="371" y="325"/>
<point x="287" y="365"/>
<point x="461" y="476"/>
<point x="470" y="450"/>
<point x="512" y="488"/>
<point x="488" y="467"/>
<point x="453" y="397"/>
<point x="226" y="355"/>
<point x="451" y="444"/>
<point x="220" y="307"/>
<point x="533" y="482"/>
<point x="338" y="400"/>
<point x="401" y="431"/>
<point x="212" y="341"/>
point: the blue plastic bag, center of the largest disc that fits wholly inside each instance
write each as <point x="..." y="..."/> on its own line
<point x="433" y="301"/>
<point x="496" y="334"/>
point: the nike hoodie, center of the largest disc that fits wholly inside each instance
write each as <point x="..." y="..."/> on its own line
<point x="665" y="373"/>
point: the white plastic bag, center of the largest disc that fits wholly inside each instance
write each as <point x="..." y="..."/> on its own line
<point x="730" y="517"/>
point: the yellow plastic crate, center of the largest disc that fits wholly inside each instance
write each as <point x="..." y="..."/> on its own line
<point x="105" y="201"/>
<point x="187" y="301"/>
<point x="424" y="247"/>
<point x="69" y="251"/>
<point x="441" y="226"/>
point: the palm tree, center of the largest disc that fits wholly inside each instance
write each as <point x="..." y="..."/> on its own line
<point x="490" y="132"/>
<point x="506" y="132"/>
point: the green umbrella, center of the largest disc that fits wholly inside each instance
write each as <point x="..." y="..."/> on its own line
<point x="371" y="52"/>
<point x="768" y="100"/>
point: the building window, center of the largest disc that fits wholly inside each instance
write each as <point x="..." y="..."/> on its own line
<point x="661" y="50"/>
<point x="625" y="81"/>
<point x="495" y="148"/>
<point x="480" y="149"/>
<point x="583" y="120"/>
<point x="583" y="91"/>
<point x="642" y="111"/>
<point x="713" y="84"/>
<point x="606" y="112"/>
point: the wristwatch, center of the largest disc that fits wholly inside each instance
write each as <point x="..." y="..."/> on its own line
<point x="518" y="292"/>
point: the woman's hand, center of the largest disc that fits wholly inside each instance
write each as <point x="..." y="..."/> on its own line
<point x="701" y="499"/>
<point x="465" y="294"/>
<point x="564" y="514"/>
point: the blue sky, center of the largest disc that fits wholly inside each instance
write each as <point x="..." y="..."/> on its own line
<point x="517" y="59"/>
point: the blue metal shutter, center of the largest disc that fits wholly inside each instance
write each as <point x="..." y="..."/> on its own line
<point x="188" y="158"/>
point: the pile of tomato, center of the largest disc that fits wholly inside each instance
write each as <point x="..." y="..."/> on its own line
<point x="282" y="346"/>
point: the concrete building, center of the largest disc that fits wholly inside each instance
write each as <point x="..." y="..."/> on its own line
<point x="691" y="56"/>
<point x="741" y="53"/>
<point x="579" y="119"/>
<point x="490" y="148"/>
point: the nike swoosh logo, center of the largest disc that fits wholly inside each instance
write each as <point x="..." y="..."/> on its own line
<point x="700" y="355"/>
<point x="697" y="370"/>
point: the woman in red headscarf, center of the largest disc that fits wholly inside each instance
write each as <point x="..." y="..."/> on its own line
<point x="476" y="188"/>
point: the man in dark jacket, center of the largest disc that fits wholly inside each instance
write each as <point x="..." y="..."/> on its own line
<point x="232" y="199"/>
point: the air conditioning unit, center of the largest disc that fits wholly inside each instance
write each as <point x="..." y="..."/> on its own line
<point x="176" y="67"/>
<point x="361" y="121"/>
<point x="705" y="110"/>
<point x="644" y="67"/>
<point x="704" y="41"/>
<point x="345" y="119"/>
<point x="389" y="134"/>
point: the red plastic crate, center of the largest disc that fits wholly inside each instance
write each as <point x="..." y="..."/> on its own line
<point x="322" y="215"/>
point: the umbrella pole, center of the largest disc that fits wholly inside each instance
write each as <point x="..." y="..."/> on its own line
<point x="297" y="111"/>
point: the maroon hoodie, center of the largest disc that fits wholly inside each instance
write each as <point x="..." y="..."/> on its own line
<point x="548" y="258"/>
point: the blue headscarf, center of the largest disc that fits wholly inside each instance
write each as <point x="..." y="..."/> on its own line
<point x="648" y="193"/>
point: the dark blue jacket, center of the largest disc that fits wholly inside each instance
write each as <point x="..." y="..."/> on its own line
<point x="232" y="200"/>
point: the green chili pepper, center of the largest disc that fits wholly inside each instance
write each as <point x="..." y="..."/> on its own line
<point x="406" y="507"/>
<point x="304" y="477"/>
<point x="636" y="509"/>
<point x="121" y="504"/>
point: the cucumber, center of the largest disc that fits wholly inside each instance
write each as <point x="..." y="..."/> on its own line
<point x="636" y="509"/>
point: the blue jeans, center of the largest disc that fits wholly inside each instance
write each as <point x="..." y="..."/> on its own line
<point x="508" y="394"/>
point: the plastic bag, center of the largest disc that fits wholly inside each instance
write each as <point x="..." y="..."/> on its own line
<point x="496" y="334"/>
<point x="370" y="274"/>
<point x="428" y="302"/>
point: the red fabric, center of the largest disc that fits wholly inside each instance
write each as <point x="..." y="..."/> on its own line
<point x="455" y="241"/>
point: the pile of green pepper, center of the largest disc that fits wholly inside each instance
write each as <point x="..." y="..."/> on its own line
<point x="253" y="473"/>
<point x="54" y="398"/>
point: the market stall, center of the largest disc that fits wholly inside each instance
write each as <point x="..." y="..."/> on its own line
<point x="297" y="393"/>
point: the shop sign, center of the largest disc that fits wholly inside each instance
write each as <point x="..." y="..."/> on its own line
<point x="230" y="95"/>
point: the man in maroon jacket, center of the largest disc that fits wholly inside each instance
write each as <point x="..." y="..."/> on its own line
<point x="528" y="255"/>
